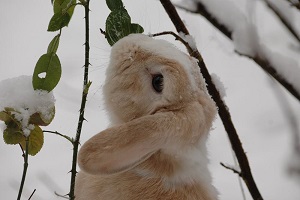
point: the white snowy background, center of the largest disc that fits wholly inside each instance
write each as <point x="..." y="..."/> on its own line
<point x="250" y="95"/>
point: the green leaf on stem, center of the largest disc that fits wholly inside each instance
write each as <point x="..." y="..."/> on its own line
<point x="48" y="64"/>
<point x="136" y="28"/>
<point x="114" y="4"/>
<point x="13" y="135"/>
<point x="58" y="21"/>
<point x="118" y="25"/>
<point x="53" y="46"/>
<point x="64" y="6"/>
<point x="36" y="141"/>
<point x="4" y="116"/>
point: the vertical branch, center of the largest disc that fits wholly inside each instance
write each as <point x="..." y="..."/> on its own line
<point x="25" y="166"/>
<point x="223" y="110"/>
<point x="83" y="101"/>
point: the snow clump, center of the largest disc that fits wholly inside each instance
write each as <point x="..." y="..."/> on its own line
<point x="18" y="93"/>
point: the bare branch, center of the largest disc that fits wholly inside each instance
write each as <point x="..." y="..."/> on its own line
<point x="32" y="194"/>
<point x="223" y="110"/>
<point x="232" y="169"/>
<point x="177" y="37"/>
<point x="57" y="133"/>
<point x="62" y="196"/>
<point x="263" y="62"/>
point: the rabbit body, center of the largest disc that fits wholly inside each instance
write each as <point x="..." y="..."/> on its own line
<point x="156" y="146"/>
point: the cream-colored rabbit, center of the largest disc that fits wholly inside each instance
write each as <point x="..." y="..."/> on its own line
<point x="161" y="114"/>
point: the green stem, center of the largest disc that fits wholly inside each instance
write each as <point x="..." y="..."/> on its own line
<point x="57" y="133"/>
<point x="25" y="155"/>
<point x="83" y="102"/>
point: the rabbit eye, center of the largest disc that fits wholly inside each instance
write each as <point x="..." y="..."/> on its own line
<point x="157" y="83"/>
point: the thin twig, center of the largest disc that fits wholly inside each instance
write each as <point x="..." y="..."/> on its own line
<point x="57" y="133"/>
<point x="284" y="21"/>
<point x="239" y="177"/>
<point x="25" y="166"/>
<point x="62" y="196"/>
<point x="232" y="169"/>
<point x="86" y="85"/>
<point x="32" y="194"/>
<point x="263" y="62"/>
<point x="223" y="110"/>
<point x="177" y="37"/>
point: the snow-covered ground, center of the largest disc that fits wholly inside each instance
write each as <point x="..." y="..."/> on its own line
<point x="250" y="95"/>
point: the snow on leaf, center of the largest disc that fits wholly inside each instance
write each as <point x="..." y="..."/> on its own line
<point x="42" y="119"/>
<point x="21" y="106"/>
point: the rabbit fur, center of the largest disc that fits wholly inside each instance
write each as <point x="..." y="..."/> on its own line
<point x="156" y="145"/>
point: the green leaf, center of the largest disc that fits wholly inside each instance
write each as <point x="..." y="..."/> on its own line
<point x="62" y="5"/>
<point x="40" y="119"/>
<point x="52" y="48"/>
<point x="4" y="116"/>
<point x="136" y="28"/>
<point x="12" y="134"/>
<point x="49" y="64"/>
<point x="36" y="141"/>
<point x="114" y="4"/>
<point x="58" y="21"/>
<point x="118" y="25"/>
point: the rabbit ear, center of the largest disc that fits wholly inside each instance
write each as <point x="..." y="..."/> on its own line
<point x="122" y="147"/>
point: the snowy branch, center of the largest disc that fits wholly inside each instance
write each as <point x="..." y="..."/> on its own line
<point x="261" y="59"/>
<point x="281" y="16"/>
<point x="295" y="3"/>
<point x="223" y="110"/>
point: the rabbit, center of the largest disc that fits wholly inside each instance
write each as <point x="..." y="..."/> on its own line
<point x="161" y="114"/>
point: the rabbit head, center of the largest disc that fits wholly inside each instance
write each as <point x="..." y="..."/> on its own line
<point x="158" y="102"/>
<point x="146" y="75"/>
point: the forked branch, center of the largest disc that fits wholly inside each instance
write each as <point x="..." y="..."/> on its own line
<point x="223" y="110"/>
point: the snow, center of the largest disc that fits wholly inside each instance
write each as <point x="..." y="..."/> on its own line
<point x="220" y="9"/>
<point x="255" y="111"/>
<point x="283" y="8"/>
<point x="246" y="39"/>
<point x="189" y="39"/>
<point x="285" y="66"/>
<point x="189" y="5"/>
<point x="219" y="85"/>
<point x="294" y="165"/>
<point x="18" y="93"/>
